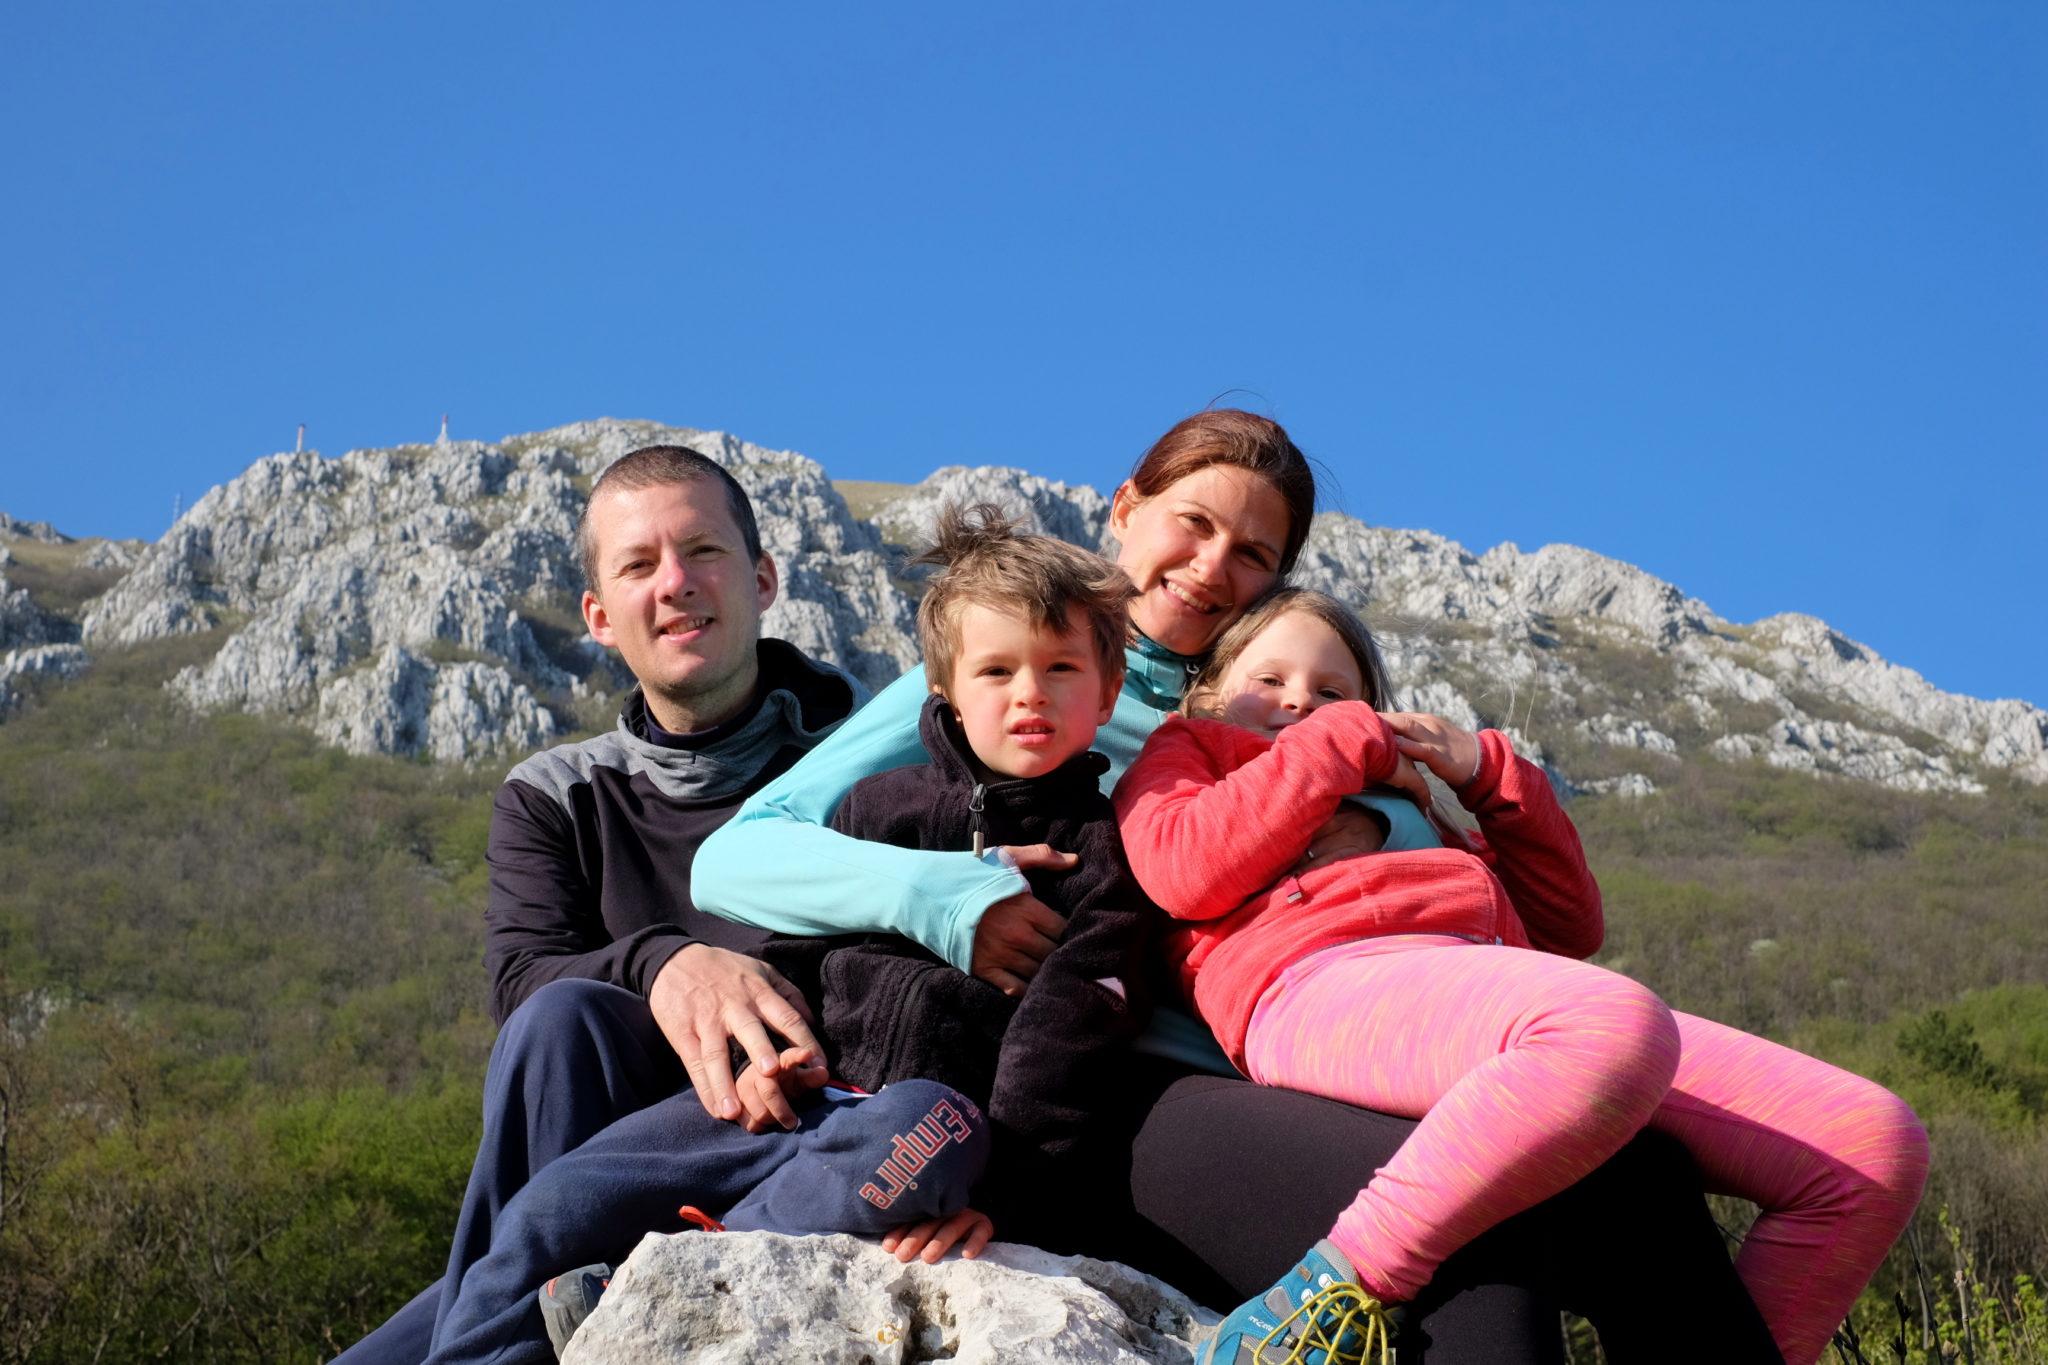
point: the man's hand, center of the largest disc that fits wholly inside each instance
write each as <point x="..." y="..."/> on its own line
<point x="766" y="1101"/>
<point x="705" y="996"/>
<point x="936" y="1236"/>
<point x="1018" y="932"/>
<point x="1449" y="752"/>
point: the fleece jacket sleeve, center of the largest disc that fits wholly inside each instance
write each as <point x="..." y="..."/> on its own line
<point x="1211" y="814"/>
<point x="543" y="921"/>
<point x="778" y="865"/>
<point x="1534" y="850"/>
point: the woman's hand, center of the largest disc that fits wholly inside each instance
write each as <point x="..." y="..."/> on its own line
<point x="934" y="1237"/>
<point x="1452" y="754"/>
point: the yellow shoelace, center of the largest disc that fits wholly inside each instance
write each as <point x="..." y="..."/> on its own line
<point x="1331" y="1315"/>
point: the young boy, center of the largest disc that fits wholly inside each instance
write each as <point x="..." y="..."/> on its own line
<point x="1023" y="640"/>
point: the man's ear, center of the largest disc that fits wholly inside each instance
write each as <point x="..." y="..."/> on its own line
<point x="1124" y="502"/>
<point x="597" y="620"/>
<point x="766" y="582"/>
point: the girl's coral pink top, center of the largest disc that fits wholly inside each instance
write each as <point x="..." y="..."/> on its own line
<point x="1214" y="818"/>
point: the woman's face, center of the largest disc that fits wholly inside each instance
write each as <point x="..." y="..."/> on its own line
<point x="1199" y="552"/>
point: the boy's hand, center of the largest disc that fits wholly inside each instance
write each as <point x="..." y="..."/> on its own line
<point x="1438" y="745"/>
<point x="765" y="1100"/>
<point x="936" y="1236"/>
<point x="1019" y="932"/>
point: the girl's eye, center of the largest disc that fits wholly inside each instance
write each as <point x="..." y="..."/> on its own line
<point x="1332" y="694"/>
<point x="1266" y="680"/>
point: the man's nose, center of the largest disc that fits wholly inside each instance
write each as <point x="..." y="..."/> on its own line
<point x="671" y="580"/>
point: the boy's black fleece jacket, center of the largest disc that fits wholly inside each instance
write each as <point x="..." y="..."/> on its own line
<point x="1050" y="1067"/>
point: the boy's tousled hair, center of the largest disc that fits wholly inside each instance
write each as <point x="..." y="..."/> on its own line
<point x="985" y="560"/>
<point x="656" y="466"/>
<point x="1270" y="607"/>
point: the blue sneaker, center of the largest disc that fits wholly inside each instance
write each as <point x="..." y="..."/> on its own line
<point x="1316" y="1315"/>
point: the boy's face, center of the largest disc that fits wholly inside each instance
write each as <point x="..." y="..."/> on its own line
<point x="1028" y="699"/>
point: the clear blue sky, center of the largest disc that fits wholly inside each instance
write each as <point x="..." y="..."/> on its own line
<point x="1752" y="295"/>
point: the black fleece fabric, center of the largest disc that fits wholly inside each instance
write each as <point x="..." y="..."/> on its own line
<point x="1051" y="1068"/>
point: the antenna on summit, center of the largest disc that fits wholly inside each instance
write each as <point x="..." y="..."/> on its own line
<point x="442" y="440"/>
<point x="301" y="446"/>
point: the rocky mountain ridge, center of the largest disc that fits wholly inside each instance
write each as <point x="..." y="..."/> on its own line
<point x="422" y="600"/>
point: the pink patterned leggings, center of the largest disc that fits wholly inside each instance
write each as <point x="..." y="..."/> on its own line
<point x="1528" y="1070"/>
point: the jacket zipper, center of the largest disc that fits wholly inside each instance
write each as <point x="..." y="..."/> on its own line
<point x="975" y="806"/>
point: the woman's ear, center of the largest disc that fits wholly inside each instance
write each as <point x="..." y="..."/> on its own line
<point x="1121" y="504"/>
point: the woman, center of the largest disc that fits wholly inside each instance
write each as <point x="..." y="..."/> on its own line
<point x="1228" y="1179"/>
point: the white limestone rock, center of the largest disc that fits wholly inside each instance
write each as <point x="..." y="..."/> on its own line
<point x="1625" y="733"/>
<point x="1074" y="513"/>
<point x="2001" y="734"/>
<point x="423" y="599"/>
<point x="30" y="530"/>
<point x="749" y="1296"/>
<point x="1631" y="785"/>
<point x="59" y="661"/>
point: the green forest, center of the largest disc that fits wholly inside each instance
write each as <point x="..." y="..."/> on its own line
<point x="244" y="1028"/>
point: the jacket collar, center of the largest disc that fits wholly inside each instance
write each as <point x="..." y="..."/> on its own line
<point x="803" y="701"/>
<point x="1155" y="674"/>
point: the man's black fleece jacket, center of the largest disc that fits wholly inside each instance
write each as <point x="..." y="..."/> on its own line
<point x="591" y="843"/>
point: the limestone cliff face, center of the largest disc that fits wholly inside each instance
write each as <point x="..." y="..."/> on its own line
<point x="422" y="600"/>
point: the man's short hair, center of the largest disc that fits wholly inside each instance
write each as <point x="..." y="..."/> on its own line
<point x="986" y="561"/>
<point x="655" y="466"/>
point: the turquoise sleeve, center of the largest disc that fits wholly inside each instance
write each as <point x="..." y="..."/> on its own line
<point x="777" y="865"/>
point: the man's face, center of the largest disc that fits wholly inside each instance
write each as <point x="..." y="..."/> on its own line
<point x="1028" y="699"/>
<point x="679" y="599"/>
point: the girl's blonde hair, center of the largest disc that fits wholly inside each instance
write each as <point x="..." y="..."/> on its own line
<point x="1270" y="607"/>
<point x="1379" y="693"/>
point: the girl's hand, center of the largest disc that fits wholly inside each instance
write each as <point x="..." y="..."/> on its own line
<point x="1452" y="754"/>
<point x="935" y="1237"/>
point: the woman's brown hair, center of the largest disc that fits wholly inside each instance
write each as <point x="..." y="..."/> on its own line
<point x="1243" y="440"/>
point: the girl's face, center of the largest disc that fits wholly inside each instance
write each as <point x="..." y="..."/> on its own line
<point x="1199" y="552"/>
<point x="1286" y="671"/>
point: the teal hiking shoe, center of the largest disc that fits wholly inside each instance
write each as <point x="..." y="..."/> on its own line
<point x="1316" y="1315"/>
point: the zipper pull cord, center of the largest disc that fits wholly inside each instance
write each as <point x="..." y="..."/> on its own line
<point x="975" y="806"/>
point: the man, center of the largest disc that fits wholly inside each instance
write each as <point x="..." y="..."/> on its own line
<point x="611" y="988"/>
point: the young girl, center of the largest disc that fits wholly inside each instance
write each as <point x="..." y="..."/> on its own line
<point x="1351" y="947"/>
